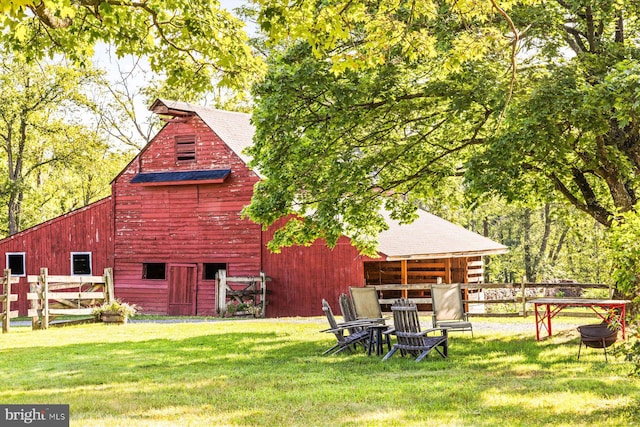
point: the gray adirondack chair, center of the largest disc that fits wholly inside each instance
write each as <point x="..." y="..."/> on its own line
<point x="411" y="339"/>
<point x="346" y="340"/>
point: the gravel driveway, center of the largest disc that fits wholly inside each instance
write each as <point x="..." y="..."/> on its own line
<point x="519" y="327"/>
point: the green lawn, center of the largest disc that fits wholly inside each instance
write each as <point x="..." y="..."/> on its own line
<point x="272" y="373"/>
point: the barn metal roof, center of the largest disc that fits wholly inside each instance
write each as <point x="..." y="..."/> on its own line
<point x="429" y="236"/>
<point x="181" y="177"/>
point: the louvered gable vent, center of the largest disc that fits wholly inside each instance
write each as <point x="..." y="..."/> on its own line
<point x="185" y="148"/>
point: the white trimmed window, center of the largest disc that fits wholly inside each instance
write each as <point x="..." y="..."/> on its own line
<point x="81" y="263"/>
<point x="16" y="262"/>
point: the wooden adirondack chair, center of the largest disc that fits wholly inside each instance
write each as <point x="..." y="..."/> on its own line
<point x="347" y="309"/>
<point x="346" y="341"/>
<point x="411" y="339"/>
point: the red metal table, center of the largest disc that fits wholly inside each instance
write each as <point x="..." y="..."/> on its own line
<point x="609" y="310"/>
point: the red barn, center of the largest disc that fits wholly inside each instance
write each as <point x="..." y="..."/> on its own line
<point x="174" y="219"/>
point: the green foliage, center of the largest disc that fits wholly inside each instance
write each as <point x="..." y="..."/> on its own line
<point x="49" y="151"/>
<point x="360" y="34"/>
<point x="546" y="242"/>
<point x="350" y="119"/>
<point x="571" y="128"/>
<point x="625" y="252"/>
<point x="195" y="44"/>
<point x="336" y="148"/>
<point x="630" y="350"/>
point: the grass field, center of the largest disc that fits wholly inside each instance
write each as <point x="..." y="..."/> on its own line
<point x="272" y="373"/>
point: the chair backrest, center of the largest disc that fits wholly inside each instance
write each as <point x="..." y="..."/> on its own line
<point x="332" y="320"/>
<point x="346" y="306"/>
<point x="365" y="303"/>
<point x="406" y="322"/>
<point x="447" y="302"/>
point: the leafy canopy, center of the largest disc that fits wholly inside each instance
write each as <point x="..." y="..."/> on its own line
<point x="193" y="43"/>
<point x="49" y="153"/>
<point x="377" y="116"/>
<point x="355" y="114"/>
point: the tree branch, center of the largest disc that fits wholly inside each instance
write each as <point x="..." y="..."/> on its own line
<point x="48" y="18"/>
<point x="514" y="46"/>
<point x="590" y="205"/>
<point x="576" y="41"/>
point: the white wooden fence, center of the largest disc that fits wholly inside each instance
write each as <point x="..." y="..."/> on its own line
<point x="247" y="291"/>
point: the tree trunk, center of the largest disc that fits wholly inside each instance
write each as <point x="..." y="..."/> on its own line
<point x="528" y="258"/>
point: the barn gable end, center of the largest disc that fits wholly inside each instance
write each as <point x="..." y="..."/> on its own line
<point x="182" y="223"/>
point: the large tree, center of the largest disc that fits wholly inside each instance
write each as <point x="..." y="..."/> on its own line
<point x="409" y="94"/>
<point x="573" y="128"/>
<point x="195" y="44"/>
<point x="371" y="117"/>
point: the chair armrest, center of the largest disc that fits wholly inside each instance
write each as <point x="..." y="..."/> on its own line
<point x="443" y="331"/>
<point x="409" y="334"/>
<point x="353" y="324"/>
<point x="421" y="334"/>
<point x="372" y="319"/>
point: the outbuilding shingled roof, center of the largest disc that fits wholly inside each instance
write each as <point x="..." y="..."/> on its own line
<point x="429" y="236"/>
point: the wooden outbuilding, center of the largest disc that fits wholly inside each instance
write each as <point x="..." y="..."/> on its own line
<point x="174" y="220"/>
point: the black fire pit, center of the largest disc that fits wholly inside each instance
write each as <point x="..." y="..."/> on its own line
<point x="597" y="336"/>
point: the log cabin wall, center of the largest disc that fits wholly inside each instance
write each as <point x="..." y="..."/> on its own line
<point x="183" y="226"/>
<point x="50" y="244"/>
<point x="475" y="270"/>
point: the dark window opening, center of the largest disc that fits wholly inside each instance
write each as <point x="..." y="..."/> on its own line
<point x="154" y="270"/>
<point x="185" y="148"/>
<point x="16" y="263"/>
<point x="81" y="263"/>
<point x="211" y="269"/>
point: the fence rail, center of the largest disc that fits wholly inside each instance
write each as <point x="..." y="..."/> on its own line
<point x="51" y="296"/>
<point x="516" y="299"/>
<point x="6" y="299"/>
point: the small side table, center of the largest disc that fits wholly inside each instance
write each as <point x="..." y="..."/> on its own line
<point x="378" y="338"/>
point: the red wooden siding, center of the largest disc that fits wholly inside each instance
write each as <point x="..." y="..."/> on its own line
<point x="302" y="276"/>
<point x="50" y="244"/>
<point x="183" y="224"/>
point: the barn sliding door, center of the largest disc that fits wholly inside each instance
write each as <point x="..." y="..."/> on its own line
<point x="182" y="289"/>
